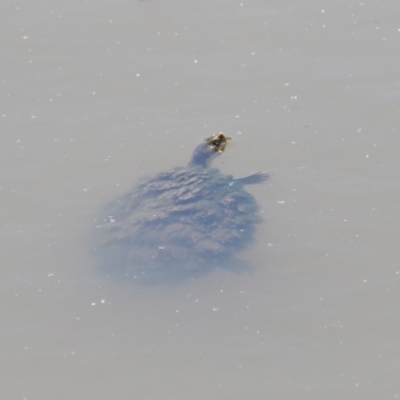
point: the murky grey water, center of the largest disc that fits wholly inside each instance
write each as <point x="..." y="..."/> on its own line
<point x="97" y="93"/>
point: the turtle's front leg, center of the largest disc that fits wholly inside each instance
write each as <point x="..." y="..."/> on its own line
<point x="258" y="177"/>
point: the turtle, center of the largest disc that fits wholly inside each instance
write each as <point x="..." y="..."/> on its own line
<point x="180" y="223"/>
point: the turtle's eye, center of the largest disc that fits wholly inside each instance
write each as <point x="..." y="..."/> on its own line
<point x="217" y="142"/>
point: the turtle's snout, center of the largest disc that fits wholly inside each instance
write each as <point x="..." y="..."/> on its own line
<point x="217" y="142"/>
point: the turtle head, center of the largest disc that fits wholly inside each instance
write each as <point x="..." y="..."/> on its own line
<point x="205" y="152"/>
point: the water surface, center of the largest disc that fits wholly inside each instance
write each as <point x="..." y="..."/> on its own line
<point x="97" y="94"/>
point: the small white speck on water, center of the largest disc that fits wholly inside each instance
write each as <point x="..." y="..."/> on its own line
<point x="215" y="309"/>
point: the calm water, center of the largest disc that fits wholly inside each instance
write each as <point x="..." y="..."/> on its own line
<point x="96" y="94"/>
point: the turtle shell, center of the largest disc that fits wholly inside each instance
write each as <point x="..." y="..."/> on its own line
<point x="189" y="219"/>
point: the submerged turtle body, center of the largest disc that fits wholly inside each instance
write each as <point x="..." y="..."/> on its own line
<point x="180" y="222"/>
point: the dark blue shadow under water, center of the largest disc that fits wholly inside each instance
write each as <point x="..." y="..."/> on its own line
<point x="168" y="275"/>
